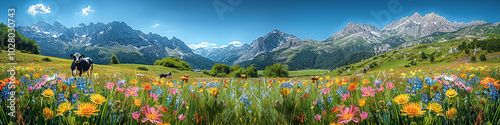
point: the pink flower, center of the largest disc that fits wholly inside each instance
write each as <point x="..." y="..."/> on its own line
<point x="181" y="117"/>
<point x="326" y="90"/>
<point x="368" y="91"/>
<point x="381" y="89"/>
<point x="173" y="91"/>
<point x="469" y="89"/>
<point x="318" y="117"/>
<point x="363" y="115"/>
<point x="347" y="115"/>
<point x="184" y="102"/>
<point x="389" y="85"/>
<point x="154" y="96"/>
<point x="136" y="115"/>
<point x="131" y="91"/>
<point x="174" y="112"/>
<point x="53" y="82"/>
<point x="315" y="102"/>
<point x="30" y="89"/>
<point x="109" y="85"/>
<point x="151" y="114"/>
<point x="118" y="89"/>
<point x="345" y="96"/>
<point x="446" y="82"/>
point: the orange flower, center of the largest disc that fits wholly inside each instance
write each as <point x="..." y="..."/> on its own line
<point x="133" y="81"/>
<point x="352" y="87"/>
<point x="147" y="87"/>
<point x="365" y="81"/>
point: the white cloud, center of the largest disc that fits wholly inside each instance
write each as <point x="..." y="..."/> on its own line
<point x="86" y="11"/>
<point x="202" y="44"/>
<point x="38" y="8"/>
<point x="156" y="25"/>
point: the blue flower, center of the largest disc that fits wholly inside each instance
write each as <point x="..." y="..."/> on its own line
<point x="6" y="92"/>
<point x="493" y="93"/>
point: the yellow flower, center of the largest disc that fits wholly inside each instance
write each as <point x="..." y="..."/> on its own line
<point x="435" y="107"/>
<point x="179" y="86"/>
<point x="298" y="89"/>
<point x="401" y="99"/>
<point x="137" y="102"/>
<point x="365" y="81"/>
<point x="63" y="107"/>
<point x="87" y="109"/>
<point x="361" y="102"/>
<point x="412" y="109"/>
<point x="285" y="92"/>
<point x="244" y="86"/>
<point x="48" y="92"/>
<point x="451" y="93"/>
<point x="97" y="99"/>
<point x="133" y="81"/>
<point x="214" y="91"/>
<point x="48" y="113"/>
<point x="328" y="77"/>
<point x="451" y="113"/>
<point x="163" y="124"/>
<point x="200" y="90"/>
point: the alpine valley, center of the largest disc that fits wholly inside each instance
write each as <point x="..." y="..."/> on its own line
<point x="352" y="44"/>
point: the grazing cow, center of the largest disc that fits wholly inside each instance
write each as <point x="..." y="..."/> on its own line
<point x="165" y="75"/>
<point x="81" y="65"/>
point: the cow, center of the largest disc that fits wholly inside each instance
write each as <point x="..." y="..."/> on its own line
<point x="81" y="64"/>
<point x="165" y="75"/>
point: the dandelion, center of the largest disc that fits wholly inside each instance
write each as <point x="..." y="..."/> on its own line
<point x="401" y="99"/>
<point x="48" y="113"/>
<point x="412" y="109"/>
<point x="214" y="91"/>
<point x="317" y="117"/>
<point x="137" y="102"/>
<point x="346" y="115"/>
<point x="451" y="93"/>
<point x="87" y="109"/>
<point x="435" y="107"/>
<point x="131" y="91"/>
<point x="361" y="102"/>
<point x="133" y="81"/>
<point x="152" y="115"/>
<point x="285" y="92"/>
<point x="365" y="81"/>
<point x="368" y="91"/>
<point x="48" y="92"/>
<point x="135" y="115"/>
<point x="97" y="99"/>
<point x="451" y="113"/>
<point x="63" y="107"/>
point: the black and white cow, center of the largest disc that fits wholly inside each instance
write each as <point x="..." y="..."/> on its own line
<point x="81" y="65"/>
<point x="165" y="75"/>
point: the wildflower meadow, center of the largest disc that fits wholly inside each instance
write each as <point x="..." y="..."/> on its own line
<point x="461" y="95"/>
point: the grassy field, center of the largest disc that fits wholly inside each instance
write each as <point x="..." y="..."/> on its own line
<point x="454" y="93"/>
<point x="63" y="66"/>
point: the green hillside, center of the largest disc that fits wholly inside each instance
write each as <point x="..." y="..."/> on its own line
<point x="411" y="57"/>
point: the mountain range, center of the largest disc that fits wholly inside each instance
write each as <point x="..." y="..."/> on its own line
<point x="353" y="43"/>
<point x="100" y="41"/>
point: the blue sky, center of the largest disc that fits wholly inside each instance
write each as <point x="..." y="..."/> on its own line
<point x="198" y="21"/>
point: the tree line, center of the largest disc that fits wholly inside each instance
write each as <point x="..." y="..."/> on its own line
<point x="21" y="43"/>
